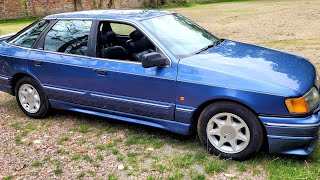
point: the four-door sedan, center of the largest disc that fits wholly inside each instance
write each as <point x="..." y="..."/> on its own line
<point x="160" y="69"/>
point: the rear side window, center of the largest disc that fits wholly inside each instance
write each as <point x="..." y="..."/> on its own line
<point x="29" y="37"/>
<point x="68" y="37"/>
<point x="122" y="29"/>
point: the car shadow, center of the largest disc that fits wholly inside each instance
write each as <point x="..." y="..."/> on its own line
<point x="192" y="141"/>
<point x="132" y="128"/>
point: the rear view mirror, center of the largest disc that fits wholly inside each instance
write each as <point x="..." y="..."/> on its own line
<point x="153" y="59"/>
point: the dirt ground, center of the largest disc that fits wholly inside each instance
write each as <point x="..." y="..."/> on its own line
<point x="72" y="145"/>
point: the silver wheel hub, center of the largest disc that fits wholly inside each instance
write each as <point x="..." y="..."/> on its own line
<point x="29" y="98"/>
<point x="228" y="133"/>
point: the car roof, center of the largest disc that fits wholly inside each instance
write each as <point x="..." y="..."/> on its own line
<point x="114" y="14"/>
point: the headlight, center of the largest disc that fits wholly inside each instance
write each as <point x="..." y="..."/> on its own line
<point x="317" y="81"/>
<point x="303" y="104"/>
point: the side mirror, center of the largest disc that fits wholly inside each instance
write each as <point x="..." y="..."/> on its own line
<point x="153" y="59"/>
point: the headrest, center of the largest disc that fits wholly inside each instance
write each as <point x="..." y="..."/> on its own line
<point x="106" y="27"/>
<point x="109" y="36"/>
<point x="140" y="45"/>
<point x="136" y="35"/>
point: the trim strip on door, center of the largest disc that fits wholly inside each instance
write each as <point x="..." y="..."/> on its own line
<point x="129" y="100"/>
<point x="65" y="90"/>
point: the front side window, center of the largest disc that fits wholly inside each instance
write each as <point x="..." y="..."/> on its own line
<point x="180" y="35"/>
<point x="29" y="37"/>
<point x="69" y="37"/>
<point x="122" y="42"/>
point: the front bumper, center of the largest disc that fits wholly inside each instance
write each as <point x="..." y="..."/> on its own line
<point x="298" y="136"/>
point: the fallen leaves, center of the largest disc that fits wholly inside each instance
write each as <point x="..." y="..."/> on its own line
<point x="82" y="150"/>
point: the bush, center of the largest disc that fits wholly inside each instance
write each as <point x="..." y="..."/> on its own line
<point x="182" y="2"/>
<point x="167" y="3"/>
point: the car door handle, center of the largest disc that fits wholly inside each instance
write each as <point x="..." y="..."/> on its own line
<point x="101" y="72"/>
<point x="38" y="63"/>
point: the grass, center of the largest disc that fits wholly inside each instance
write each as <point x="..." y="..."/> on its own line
<point x="111" y="145"/>
<point x="112" y="177"/>
<point x="63" y="151"/>
<point x="87" y="158"/>
<point x="132" y="154"/>
<point x="36" y="164"/>
<point x="99" y="157"/>
<point x="83" y="127"/>
<point x="16" y="126"/>
<point x="63" y="139"/>
<point x="100" y="147"/>
<point x="12" y="26"/>
<point x="115" y="152"/>
<point x="241" y="167"/>
<point x="215" y="166"/>
<point x="120" y="158"/>
<point x="176" y="176"/>
<point x="18" y="140"/>
<point x="58" y="171"/>
<point x="145" y="140"/>
<point x="81" y="175"/>
<point x="8" y="178"/>
<point x="198" y="176"/>
<point x="183" y="160"/>
<point x="22" y="131"/>
<point x="75" y="157"/>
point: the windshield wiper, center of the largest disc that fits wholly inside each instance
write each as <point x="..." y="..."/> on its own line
<point x="209" y="46"/>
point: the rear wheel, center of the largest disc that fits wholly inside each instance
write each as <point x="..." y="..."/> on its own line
<point x="230" y="130"/>
<point x="31" y="98"/>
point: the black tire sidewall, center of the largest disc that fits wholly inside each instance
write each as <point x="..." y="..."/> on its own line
<point x="44" y="106"/>
<point x="255" y="128"/>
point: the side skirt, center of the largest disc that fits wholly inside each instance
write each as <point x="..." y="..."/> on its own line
<point x="173" y="126"/>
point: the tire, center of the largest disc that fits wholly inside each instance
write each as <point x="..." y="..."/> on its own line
<point x="31" y="95"/>
<point x="230" y="131"/>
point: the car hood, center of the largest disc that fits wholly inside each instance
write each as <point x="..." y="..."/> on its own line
<point x="249" y="67"/>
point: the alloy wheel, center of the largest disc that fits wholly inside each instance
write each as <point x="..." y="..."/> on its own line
<point x="228" y="133"/>
<point x="29" y="98"/>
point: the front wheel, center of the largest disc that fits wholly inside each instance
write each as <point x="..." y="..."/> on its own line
<point x="31" y="98"/>
<point x="230" y="130"/>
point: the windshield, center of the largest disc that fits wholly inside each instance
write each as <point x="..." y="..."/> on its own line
<point x="179" y="34"/>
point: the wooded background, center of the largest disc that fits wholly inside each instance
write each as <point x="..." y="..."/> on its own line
<point x="12" y="9"/>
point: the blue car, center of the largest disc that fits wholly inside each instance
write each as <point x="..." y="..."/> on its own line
<point x="160" y="69"/>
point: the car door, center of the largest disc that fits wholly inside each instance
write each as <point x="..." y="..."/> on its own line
<point x="14" y="52"/>
<point x="125" y="87"/>
<point x="60" y="61"/>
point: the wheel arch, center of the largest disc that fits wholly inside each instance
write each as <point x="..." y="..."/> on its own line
<point x="201" y="107"/>
<point x="16" y="77"/>
<point x="199" y="110"/>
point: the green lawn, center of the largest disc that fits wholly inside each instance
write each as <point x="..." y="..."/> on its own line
<point x="12" y="26"/>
